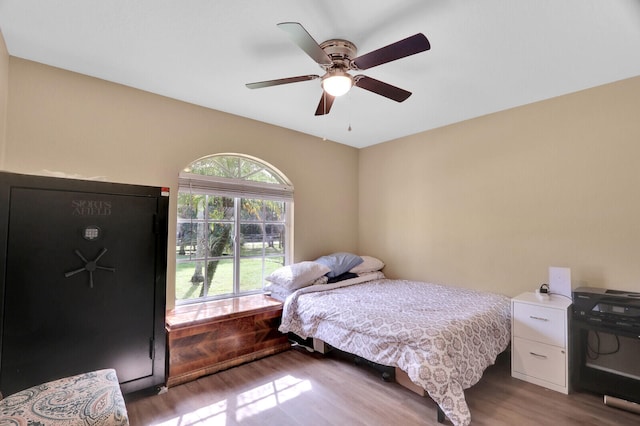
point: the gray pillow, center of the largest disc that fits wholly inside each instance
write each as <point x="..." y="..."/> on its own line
<point x="339" y="263"/>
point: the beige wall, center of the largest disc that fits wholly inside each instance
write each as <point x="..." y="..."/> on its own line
<point x="4" y="89"/>
<point x="67" y="122"/>
<point x="492" y="202"/>
<point x="489" y="203"/>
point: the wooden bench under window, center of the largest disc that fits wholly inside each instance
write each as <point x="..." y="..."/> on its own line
<point x="208" y="337"/>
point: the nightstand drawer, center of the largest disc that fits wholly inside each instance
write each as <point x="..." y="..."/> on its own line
<point x="535" y="322"/>
<point x="538" y="360"/>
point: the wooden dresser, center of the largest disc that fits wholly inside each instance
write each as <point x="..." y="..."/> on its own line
<point x="209" y="337"/>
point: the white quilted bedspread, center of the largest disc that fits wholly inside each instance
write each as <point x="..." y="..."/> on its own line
<point x="442" y="337"/>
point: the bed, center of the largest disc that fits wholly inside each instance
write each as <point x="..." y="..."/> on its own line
<point x="442" y="337"/>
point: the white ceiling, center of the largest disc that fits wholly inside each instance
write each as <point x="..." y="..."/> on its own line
<point x="485" y="56"/>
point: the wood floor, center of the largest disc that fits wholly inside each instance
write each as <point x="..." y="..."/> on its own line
<point x="298" y="388"/>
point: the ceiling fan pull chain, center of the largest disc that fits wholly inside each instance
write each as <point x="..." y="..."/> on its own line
<point x="349" y="102"/>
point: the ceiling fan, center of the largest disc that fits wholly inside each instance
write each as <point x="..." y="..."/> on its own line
<point x="336" y="57"/>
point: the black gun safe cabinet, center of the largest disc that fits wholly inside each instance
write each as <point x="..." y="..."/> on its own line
<point x="82" y="280"/>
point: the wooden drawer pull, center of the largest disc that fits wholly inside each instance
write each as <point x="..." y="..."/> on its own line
<point x="538" y="355"/>
<point x="538" y="318"/>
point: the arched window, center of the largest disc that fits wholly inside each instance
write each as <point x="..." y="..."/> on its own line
<point x="234" y="227"/>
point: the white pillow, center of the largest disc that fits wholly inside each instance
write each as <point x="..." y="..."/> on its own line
<point x="369" y="264"/>
<point x="298" y="275"/>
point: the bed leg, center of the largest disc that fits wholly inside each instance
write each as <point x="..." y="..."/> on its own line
<point x="387" y="373"/>
<point x="441" y="415"/>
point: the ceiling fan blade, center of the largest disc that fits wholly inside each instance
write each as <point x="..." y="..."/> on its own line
<point x="400" y="49"/>
<point x="381" y="88"/>
<point x="269" y="83"/>
<point x="325" y="104"/>
<point x="303" y="39"/>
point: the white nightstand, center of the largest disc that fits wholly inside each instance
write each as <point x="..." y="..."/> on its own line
<point x="540" y="341"/>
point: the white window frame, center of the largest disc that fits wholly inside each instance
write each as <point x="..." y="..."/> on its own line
<point x="237" y="189"/>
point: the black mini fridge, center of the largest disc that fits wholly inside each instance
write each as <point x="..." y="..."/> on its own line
<point x="82" y="280"/>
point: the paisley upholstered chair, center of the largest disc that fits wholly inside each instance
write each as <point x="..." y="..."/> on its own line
<point x="92" y="398"/>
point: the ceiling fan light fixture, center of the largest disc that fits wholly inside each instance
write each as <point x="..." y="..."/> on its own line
<point x="337" y="83"/>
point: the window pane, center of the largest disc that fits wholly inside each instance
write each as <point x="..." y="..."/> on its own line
<point x="251" y="236"/>
<point x="251" y="210"/>
<point x="220" y="208"/>
<point x="185" y="206"/>
<point x="193" y="281"/>
<point x="231" y="166"/>
<point x="199" y="236"/>
<point x="274" y="211"/>
<point x="249" y="170"/>
<point x="189" y="205"/>
<point x="186" y="241"/>
<point x="221" y="274"/>
<point x="189" y="279"/>
<point x="251" y="274"/>
<point x="274" y="239"/>
<point x="220" y="240"/>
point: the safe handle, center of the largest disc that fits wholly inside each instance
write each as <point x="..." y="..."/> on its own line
<point x="90" y="266"/>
